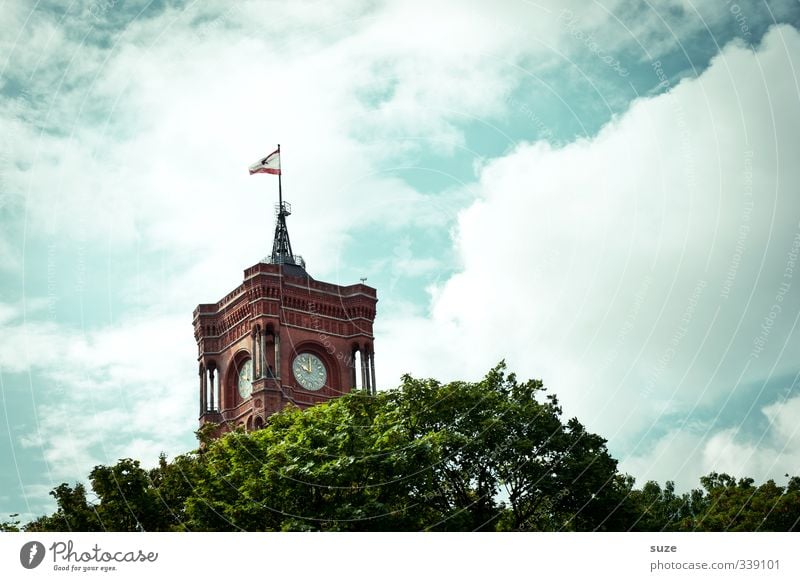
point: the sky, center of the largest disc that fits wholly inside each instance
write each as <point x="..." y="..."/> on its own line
<point x="605" y="195"/>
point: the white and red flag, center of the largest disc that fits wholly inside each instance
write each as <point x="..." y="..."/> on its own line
<point x="270" y="164"/>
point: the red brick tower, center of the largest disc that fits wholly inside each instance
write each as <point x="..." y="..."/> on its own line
<point x="281" y="337"/>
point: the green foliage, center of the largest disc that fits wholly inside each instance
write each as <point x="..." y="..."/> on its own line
<point x="660" y="509"/>
<point x="489" y="455"/>
<point x="10" y="526"/>
<point x="129" y="498"/>
<point x="74" y="512"/>
<point x="724" y="504"/>
<point x="731" y="505"/>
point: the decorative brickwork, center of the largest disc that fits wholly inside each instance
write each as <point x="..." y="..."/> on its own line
<point x="275" y="315"/>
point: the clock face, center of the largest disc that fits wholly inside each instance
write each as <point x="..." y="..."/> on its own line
<point x="309" y="371"/>
<point x="245" y="380"/>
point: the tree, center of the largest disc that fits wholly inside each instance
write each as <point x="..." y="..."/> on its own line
<point x="426" y="456"/>
<point x="74" y="512"/>
<point x="171" y="484"/>
<point x="731" y="505"/>
<point x="658" y="509"/>
<point x="10" y="526"/>
<point x="345" y="465"/>
<point x="129" y="498"/>
<point x="462" y="456"/>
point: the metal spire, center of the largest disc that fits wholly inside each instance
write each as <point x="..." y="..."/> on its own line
<point x="281" y="246"/>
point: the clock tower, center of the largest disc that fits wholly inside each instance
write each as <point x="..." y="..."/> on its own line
<point x="282" y="337"/>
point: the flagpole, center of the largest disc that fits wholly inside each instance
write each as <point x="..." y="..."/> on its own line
<point x="280" y="192"/>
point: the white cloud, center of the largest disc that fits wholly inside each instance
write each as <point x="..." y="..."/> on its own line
<point x="149" y="140"/>
<point x="138" y="146"/>
<point x="602" y="266"/>
<point x="147" y="144"/>
<point x="647" y="31"/>
<point x="784" y="418"/>
<point x="685" y="455"/>
<point x="107" y="394"/>
<point x="7" y="313"/>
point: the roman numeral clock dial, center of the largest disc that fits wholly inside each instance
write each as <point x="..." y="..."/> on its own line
<point x="309" y="371"/>
<point x="245" y="379"/>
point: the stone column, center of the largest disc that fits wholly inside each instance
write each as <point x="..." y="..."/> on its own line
<point x="262" y="355"/>
<point x="211" y="378"/>
<point x="364" y="382"/>
<point x="254" y="354"/>
<point x="353" y="377"/>
<point x="372" y="372"/>
<point x="277" y="355"/>
<point x="368" y="384"/>
<point x="202" y="389"/>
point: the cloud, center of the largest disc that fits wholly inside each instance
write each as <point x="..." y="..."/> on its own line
<point x="99" y="391"/>
<point x="147" y="143"/>
<point x="135" y="138"/>
<point x="125" y="147"/>
<point x="113" y="154"/>
<point x="648" y="31"/>
<point x="685" y="455"/>
<point x="636" y="271"/>
<point x="126" y="136"/>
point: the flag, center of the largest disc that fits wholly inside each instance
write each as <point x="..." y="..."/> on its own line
<point x="270" y="164"/>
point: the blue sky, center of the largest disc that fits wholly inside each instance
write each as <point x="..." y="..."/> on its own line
<point x="603" y="194"/>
